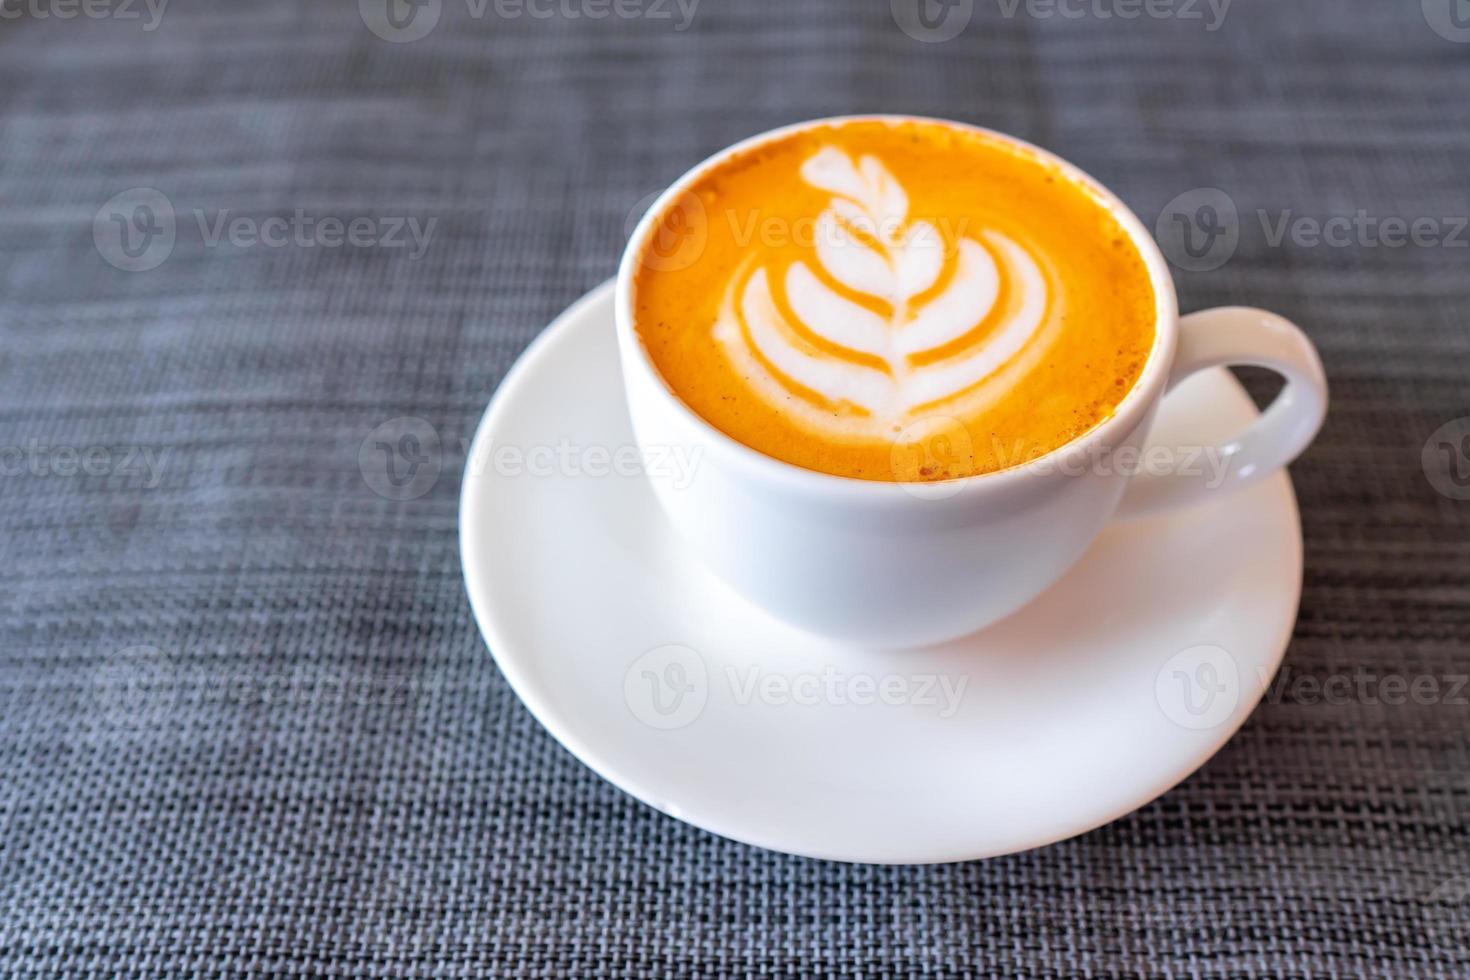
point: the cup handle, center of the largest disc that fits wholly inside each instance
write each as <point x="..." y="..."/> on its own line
<point x="1244" y="336"/>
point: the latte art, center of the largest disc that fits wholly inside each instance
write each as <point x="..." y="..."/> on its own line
<point x="891" y="321"/>
<point x="893" y="300"/>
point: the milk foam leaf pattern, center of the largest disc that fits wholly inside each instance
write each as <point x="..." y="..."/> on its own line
<point x="811" y="341"/>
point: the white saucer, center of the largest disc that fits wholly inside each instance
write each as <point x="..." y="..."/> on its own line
<point x="1103" y="694"/>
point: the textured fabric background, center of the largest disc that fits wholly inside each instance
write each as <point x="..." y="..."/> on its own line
<point x="247" y="726"/>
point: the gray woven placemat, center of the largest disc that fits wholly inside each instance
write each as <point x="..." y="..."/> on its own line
<point x="247" y="725"/>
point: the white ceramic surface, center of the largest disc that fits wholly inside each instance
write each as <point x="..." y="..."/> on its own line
<point x="1114" y="685"/>
<point x="890" y="564"/>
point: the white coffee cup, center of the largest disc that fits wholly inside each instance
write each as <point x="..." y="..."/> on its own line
<point x="895" y="564"/>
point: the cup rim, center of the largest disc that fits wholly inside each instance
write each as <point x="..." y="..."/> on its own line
<point x="1129" y="413"/>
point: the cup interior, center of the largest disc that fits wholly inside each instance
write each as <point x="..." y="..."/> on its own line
<point x="1129" y="413"/>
